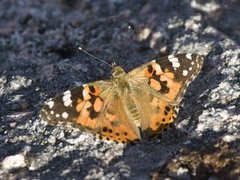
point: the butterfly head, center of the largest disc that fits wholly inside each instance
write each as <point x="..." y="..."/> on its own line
<point x="117" y="72"/>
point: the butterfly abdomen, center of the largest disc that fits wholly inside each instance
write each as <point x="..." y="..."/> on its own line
<point x="134" y="114"/>
<point x="133" y="111"/>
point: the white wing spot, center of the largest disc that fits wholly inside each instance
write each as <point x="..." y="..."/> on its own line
<point x="50" y="104"/>
<point x="158" y="69"/>
<point x="189" y="56"/>
<point x="192" y="63"/>
<point x="190" y="68"/>
<point x="67" y="92"/>
<point x="193" y="77"/>
<point x="67" y="98"/>
<point x="57" y="115"/>
<point x="187" y="84"/>
<point x="68" y="103"/>
<point x="174" y="61"/>
<point x="65" y="115"/>
<point x="85" y="94"/>
<point x="51" y="112"/>
<point x="185" y="72"/>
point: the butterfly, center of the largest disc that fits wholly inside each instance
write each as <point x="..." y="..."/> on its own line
<point x="129" y="106"/>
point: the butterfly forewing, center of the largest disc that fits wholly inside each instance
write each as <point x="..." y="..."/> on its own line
<point x="169" y="76"/>
<point x="178" y="72"/>
<point x="65" y="107"/>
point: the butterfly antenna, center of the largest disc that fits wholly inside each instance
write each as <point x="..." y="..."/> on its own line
<point x="96" y="58"/>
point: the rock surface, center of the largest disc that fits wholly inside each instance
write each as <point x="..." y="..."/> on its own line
<point x="39" y="58"/>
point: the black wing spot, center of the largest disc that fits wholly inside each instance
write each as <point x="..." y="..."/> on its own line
<point x="150" y="69"/>
<point x="167" y="108"/>
<point x="165" y="113"/>
<point x="92" y="89"/>
<point x="157" y="123"/>
<point x="105" y="129"/>
<point x="164" y="89"/>
<point x="93" y="113"/>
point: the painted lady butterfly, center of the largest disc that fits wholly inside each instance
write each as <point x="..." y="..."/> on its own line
<point x="141" y="102"/>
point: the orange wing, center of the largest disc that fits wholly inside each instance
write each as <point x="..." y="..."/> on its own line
<point x="159" y="87"/>
<point x="93" y="107"/>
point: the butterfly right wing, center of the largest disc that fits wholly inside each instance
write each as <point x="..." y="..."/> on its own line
<point x="160" y="85"/>
<point x="94" y="107"/>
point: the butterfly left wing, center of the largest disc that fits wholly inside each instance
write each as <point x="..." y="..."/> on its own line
<point x="161" y="84"/>
<point x="94" y="107"/>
